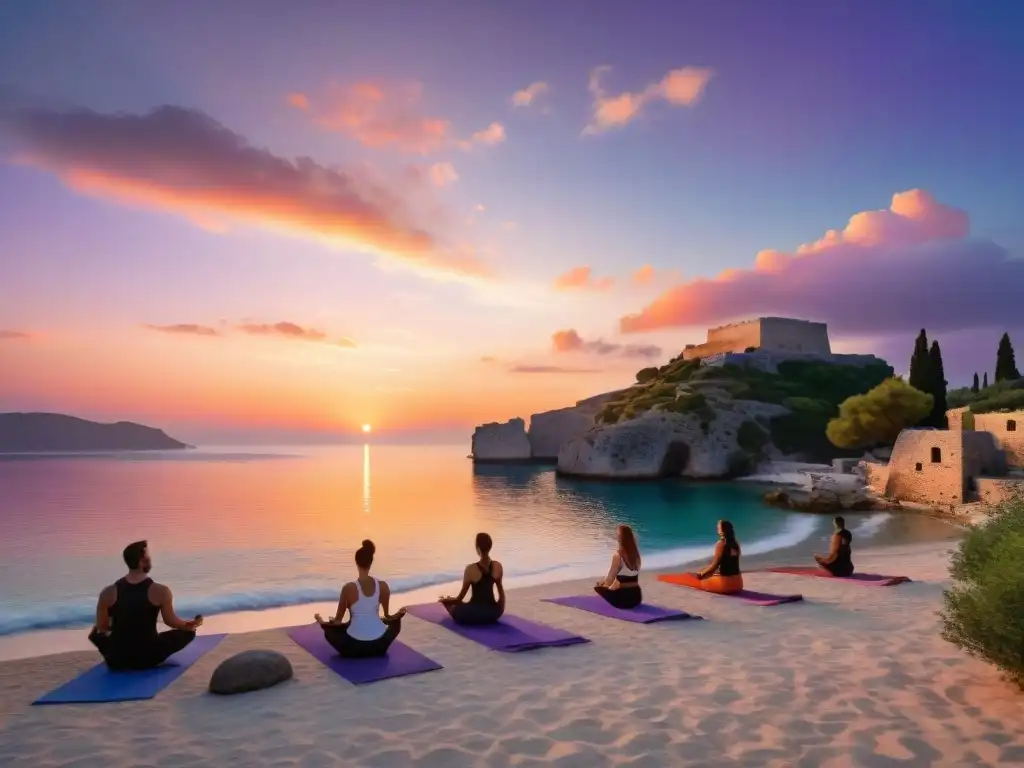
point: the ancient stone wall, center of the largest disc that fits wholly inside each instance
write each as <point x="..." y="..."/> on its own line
<point x="727" y="338"/>
<point x="876" y="476"/>
<point x="786" y="334"/>
<point x="927" y="467"/>
<point x="982" y="455"/>
<point x="995" y="490"/>
<point x="1008" y="429"/>
<point x="955" y="418"/>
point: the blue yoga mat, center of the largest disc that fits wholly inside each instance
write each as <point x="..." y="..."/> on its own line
<point x="509" y="634"/>
<point x="400" y="660"/>
<point x="99" y="684"/>
<point x="642" y="614"/>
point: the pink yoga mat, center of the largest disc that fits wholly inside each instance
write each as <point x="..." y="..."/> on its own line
<point x="868" y="579"/>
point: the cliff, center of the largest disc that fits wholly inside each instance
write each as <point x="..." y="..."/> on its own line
<point x="501" y="442"/>
<point x="550" y="430"/>
<point x="57" y="433"/>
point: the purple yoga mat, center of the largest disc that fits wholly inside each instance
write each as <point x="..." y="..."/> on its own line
<point x="762" y="598"/>
<point x="510" y="634"/>
<point x="401" y="660"/>
<point x="642" y="614"/>
<point x="867" y="579"/>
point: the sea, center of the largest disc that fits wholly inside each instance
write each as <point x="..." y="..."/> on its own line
<point x="232" y="529"/>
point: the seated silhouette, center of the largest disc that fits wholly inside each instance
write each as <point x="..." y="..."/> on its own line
<point x="723" y="575"/>
<point x="839" y="560"/>
<point x="366" y="634"/>
<point x="126" y="613"/>
<point x="481" y="578"/>
<point x="621" y="587"/>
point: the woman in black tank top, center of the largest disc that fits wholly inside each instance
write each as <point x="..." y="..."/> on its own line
<point x="839" y="561"/>
<point x="480" y="579"/>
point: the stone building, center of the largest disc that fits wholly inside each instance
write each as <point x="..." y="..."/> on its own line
<point x="1008" y="429"/>
<point x="778" y="334"/>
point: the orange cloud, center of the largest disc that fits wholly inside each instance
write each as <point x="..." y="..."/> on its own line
<point x="550" y="369"/>
<point x="183" y="161"/>
<point x="299" y="101"/>
<point x="378" y="116"/>
<point x="581" y="278"/>
<point x="644" y="275"/>
<point x="570" y="341"/>
<point x="442" y="174"/>
<point x="9" y="335"/>
<point x="908" y="266"/>
<point x="289" y="330"/>
<point x="679" y="87"/>
<point x="185" y="329"/>
<point x="524" y="97"/>
<point x="489" y="136"/>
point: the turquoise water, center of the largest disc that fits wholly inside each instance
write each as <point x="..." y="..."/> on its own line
<point x="233" y="529"/>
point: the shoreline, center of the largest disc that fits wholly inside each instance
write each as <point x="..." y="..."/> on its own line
<point x="853" y="675"/>
<point x="892" y="531"/>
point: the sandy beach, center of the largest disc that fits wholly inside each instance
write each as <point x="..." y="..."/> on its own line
<point x="854" y="675"/>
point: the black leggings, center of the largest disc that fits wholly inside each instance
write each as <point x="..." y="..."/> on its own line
<point x="624" y="597"/>
<point x="842" y="570"/>
<point x="350" y="648"/>
<point x="474" y="614"/>
<point x="145" y="655"/>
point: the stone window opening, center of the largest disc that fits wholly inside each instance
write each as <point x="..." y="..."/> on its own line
<point x="936" y="455"/>
<point x="1011" y="425"/>
<point x="918" y="467"/>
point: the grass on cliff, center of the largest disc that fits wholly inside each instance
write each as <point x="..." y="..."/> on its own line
<point x="811" y="390"/>
<point x="984" y="609"/>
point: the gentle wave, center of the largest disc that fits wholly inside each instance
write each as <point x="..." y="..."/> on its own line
<point x="869" y="526"/>
<point x="81" y="613"/>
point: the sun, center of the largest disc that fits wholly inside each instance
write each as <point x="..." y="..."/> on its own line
<point x="367" y="428"/>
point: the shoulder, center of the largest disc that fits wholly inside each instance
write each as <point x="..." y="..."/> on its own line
<point x="496" y="566"/>
<point x="471" y="569"/>
<point x="109" y="593"/>
<point x="616" y="556"/>
<point x="159" y="590"/>
<point x="383" y="585"/>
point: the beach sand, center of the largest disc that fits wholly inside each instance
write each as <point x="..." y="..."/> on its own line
<point x="853" y="676"/>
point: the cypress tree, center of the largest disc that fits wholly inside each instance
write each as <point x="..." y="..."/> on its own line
<point x="1006" y="365"/>
<point x="920" y="376"/>
<point x="974" y="386"/>
<point x="938" y="390"/>
<point x="984" y="381"/>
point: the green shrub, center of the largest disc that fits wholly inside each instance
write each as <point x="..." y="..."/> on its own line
<point x="751" y="437"/>
<point x="984" y="609"/>
<point x="1009" y="400"/>
<point x="646" y="374"/>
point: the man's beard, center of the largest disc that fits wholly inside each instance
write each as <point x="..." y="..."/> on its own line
<point x="147" y="567"/>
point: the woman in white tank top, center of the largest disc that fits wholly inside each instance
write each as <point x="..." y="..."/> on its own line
<point x="365" y="634"/>
<point x="621" y="587"/>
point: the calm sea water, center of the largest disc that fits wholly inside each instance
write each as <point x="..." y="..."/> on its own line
<point x="233" y="530"/>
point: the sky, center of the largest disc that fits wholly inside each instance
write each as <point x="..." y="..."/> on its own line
<point x="242" y="223"/>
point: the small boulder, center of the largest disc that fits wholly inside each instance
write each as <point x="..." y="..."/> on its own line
<point x="250" y="671"/>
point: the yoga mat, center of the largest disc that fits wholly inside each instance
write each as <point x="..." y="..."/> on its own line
<point x="100" y="684"/>
<point x="757" y="598"/>
<point x="401" y="660"/>
<point x="510" y="634"/>
<point x="868" y="579"/>
<point x="642" y="614"/>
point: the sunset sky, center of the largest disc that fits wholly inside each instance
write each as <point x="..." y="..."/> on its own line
<point x="245" y="222"/>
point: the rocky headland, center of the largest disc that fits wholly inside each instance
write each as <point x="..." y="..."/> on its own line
<point x="58" y="433"/>
<point x="693" y="418"/>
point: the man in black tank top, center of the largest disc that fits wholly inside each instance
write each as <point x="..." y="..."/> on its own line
<point x="839" y="560"/>
<point x="126" y="614"/>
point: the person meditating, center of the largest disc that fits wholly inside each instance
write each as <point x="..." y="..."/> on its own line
<point x="481" y="577"/>
<point x="722" y="576"/>
<point x="838" y="561"/>
<point x="126" y="613"/>
<point x="621" y="587"/>
<point x="365" y="634"/>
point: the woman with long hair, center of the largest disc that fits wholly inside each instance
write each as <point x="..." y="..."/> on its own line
<point x="482" y="578"/>
<point x="621" y="587"/>
<point x="723" y="575"/>
<point x="366" y="633"/>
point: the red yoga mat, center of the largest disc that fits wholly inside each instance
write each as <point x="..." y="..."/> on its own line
<point x="868" y="579"/>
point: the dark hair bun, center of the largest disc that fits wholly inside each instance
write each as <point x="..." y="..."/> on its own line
<point x="369" y="546"/>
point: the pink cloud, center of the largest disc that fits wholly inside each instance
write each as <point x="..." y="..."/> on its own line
<point x="570" y="341"/>
<point x="524" y="97"/>
<point x="183" y="161"/>
<point x="10" y="335"/>
<point x="185" y="329"/>
<point x="582" y="279"/>
<point x="680" y="87"/>
<point x="442" y="174"/>
<point x="558" y="369"/>
<point x="644" y="275"/>
<point x="489" y="136"/>
<point x="289" y="330"/>
<point x="888" y="271"/>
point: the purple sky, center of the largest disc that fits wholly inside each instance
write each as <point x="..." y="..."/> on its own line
<point x="329" y="215"/>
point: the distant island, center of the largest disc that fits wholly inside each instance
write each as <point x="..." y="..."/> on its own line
<point x="58" y="433"/>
